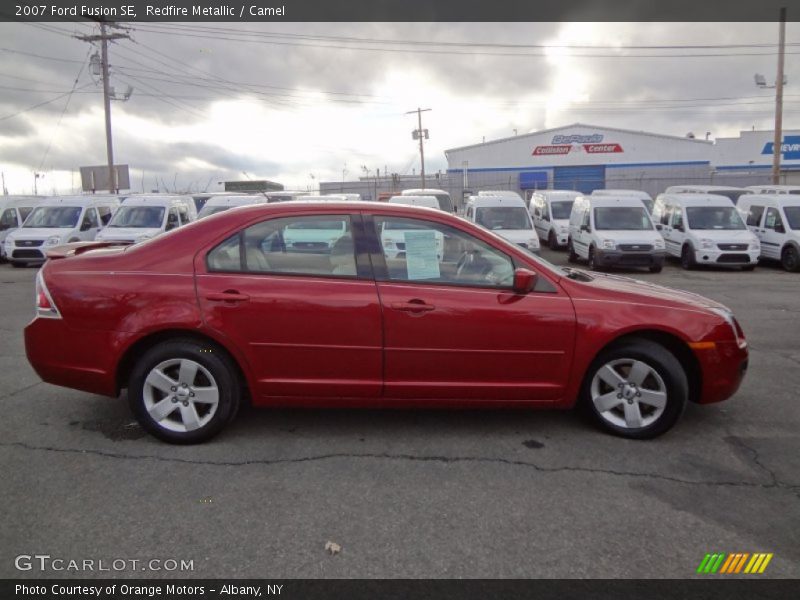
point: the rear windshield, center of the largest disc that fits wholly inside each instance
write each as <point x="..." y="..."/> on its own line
<point x="561" y="209"/>
<point x="503" y="217"/>
<point x="55" y="217"/>
<point x="138" y="216"/>
<point x="211" y="210"/>
<point x="621" y="218"/>
<point x="713" y="217"/>
<point x="792" y="216"/>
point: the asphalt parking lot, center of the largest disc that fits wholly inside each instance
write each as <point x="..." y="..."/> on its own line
<point x="413" y="493"/>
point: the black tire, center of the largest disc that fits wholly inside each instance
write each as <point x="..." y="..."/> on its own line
<point x="19" y="265"/>
<point x="748" y="267"/>
<point x="573" y="256"/>
<point x="592" y="263"/>
<point x="552" y="240"/>
<point x="790" y="259"/>
<point x="687" y="257"/>
<point x="668" y="368"/>
<point x="210" y="358"/>
<point x="656" y="268"/>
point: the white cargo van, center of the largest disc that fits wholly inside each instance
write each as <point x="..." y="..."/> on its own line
<point x="58" y="220"/>
<point x="705" y="229"/>
<point x="507" y="216"/>
<point x="142" y="217"/>
<point x="445" y="203"/>
<point x="393" y="231"/>
<point x="721" y="190"/>
<point x="550" y="211"/>
<point x="773" y="189"/>
<point x="13" y="212"/>
<point x="775" y="219"/>
<point x="610" y="231"/>
<point x="643" y="196"/>
<point x="218" y="204"/>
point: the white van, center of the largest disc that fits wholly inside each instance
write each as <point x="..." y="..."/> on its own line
<point x="775" y="219"/>
<point x="550" y="211"/>
<point x="285" y="195"/>
<point x="445" y="203"/>
<point x="217" y="204"/>
<point x="705" y="229"/>
<point x="507" y="216"/>
<point x="646" y="198"/>
<point x="720" y="190"/>
<point x="610" y="231"/>
<point x="58" y="220"/>
<point x="393" y="232"/>
<point x="774" y="189"/>
<point x="13" y="212"/>
<point x="142" y="217"/>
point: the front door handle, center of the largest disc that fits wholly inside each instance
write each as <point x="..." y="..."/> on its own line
<point x="413" y="306"/>
<point x="227" y="296"/>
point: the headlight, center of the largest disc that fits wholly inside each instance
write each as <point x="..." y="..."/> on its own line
<point x="533" y="243"/>
<point x="727" y="314"/>
<point x="609" y="244"/>
<point x="659" y="244"/>
<point x="52" y="241"/>
<point x="706" y="244"/>
<point x="388" y="243"/>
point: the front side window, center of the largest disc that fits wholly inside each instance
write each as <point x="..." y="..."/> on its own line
<point x="138" y="216"/>
<point x="677" y="217"/>
<point x="754" y="215"/>
<point x="105" y="214"/>
<point x="792" y="214"/>
<point x="426" y="252"/>
<point x="303" y="245"/>
<point x="24" y="211"/>
<point x="55" y="217"/>
<point x="91" y="218"/>
<point x="497" y="218"/>
<point x="184" y="213"/>
<point x="666" y="215"/>
<point x="773" y="219"/>
<point x="8" y="219"/>
<point x="172" y="219"/>
<point x="713" y="217"/>
<point x="621" y="218"/>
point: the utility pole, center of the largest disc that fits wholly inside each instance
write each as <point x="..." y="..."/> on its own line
<point x="420" y="134"/>
<point x="104" y="38"/>
<point x="778" y="142"/>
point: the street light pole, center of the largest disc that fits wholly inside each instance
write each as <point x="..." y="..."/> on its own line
<point x="420" y="134"/>
<point x="778" y="140"/>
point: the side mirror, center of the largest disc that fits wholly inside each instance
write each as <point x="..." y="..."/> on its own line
<point x="659" y="226"/>
<point x="524" y="281"/>
<point x="585" y="228"/>
<point x="678" y="227"/>
<point x="780" y="229"/>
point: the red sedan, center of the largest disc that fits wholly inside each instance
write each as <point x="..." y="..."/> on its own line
<point x="368" y="304"/>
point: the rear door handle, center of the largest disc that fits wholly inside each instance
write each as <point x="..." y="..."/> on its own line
<point x="413" y="306"/>
<point x="227" y="296"/>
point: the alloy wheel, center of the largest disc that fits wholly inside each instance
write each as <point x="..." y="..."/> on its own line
<point x="628" y="393"/>
<point x="180" y="395"/>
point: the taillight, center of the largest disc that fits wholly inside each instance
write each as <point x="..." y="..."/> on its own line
<point x="45" y="307"/>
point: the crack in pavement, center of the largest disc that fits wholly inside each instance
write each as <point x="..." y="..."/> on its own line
<point x="19" y="391"/>
<point x="774" y="484"/>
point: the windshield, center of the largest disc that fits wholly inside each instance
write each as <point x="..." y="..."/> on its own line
<point x="792" y="216"/>
<point x="211" y="210"/>
<point x="503" y="217"/>
<point x="55" y="217"/>
<point x="648" y="204"/>
<point x="561" y="209"/>
<point x="138" y="216"/>
<point x="713" y="217"/>
<point x="621" y="218"/>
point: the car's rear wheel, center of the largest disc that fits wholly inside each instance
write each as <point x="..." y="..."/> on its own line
<point x="790" y="259"/>
<point x="19" y="265"/>
<point x="636" y="390"/>
<point x="552" y="240"/>
<point x="573" y="256"/>
<point x="183" y="391"/>
<point x="592" y="261"/>
<point x="687" y="257"/>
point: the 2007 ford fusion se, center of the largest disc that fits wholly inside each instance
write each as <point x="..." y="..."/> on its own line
<point x="321" y="304"/>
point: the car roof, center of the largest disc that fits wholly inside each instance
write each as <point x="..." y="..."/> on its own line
<point x="422" y="192"/>
<point x="14" y="201"/>
<point x="146" y="199"/>
<point x="611" y="201"/>
<point x="77" y="200"/>
<point x="621" y="192"/>
<point x="411" y="200"/>
<point x="558" y="194"/>
<point x="697" y="199"/>
<point x="485" y="201"/>
<point x="771" y="199"/>
<point x="223" y="200"/>
<point x="706" y="188"/>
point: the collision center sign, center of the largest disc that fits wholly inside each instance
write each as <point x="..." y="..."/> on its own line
<point x="564" y="144"/>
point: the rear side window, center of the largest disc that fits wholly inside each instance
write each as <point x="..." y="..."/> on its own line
<point x="303" y="245"/>
<point x="754" y="215"/>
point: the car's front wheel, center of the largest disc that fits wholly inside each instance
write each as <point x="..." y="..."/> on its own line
<point x="790" y="260"/>
<point x="572" y="256"/>
<point x="637" y="389"/>
<point x="183" y="391"/>
<point x="552" y="240"/>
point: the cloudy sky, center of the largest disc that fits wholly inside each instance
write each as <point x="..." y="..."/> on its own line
<point x="300" y="103"/>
